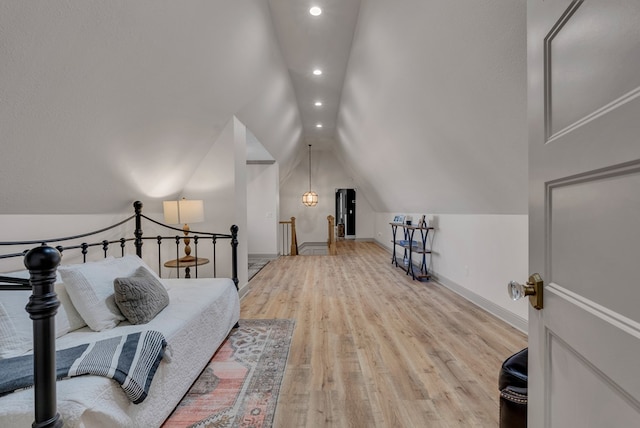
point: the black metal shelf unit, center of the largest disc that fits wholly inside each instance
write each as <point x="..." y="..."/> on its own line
<point x="409" y="247"/>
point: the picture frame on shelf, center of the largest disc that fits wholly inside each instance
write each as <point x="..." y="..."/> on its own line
<point x="398" y="219"/>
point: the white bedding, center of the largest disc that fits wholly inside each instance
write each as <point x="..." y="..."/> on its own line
<point x="200" y="315"/>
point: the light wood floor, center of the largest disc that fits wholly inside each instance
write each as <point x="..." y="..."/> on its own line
<point x="372" y="348"/>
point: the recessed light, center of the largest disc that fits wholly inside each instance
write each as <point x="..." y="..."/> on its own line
<point x="317" y="72"/>
<point x="318" y="104"/>
<point x="318" y="125"/>
<point x="315" y="11"/>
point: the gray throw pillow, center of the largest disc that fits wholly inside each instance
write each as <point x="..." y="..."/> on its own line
<point x="140" y="297"/>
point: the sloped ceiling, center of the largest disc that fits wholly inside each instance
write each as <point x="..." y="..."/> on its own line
<point x="316" y="42"/>
<point x="424" y="101"/>
<point x="106" y="102"/>
<point x="102" y="103"/>
<point x="433" y="111"/>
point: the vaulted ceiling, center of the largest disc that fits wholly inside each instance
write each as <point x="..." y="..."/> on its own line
<point x="321" y="42"/>
<point x="424" y="102"/>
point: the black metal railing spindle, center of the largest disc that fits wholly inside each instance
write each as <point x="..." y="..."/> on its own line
<point x="195" y="244"/>
<point x="178" y="256"/>
<point x="215" y="240"/>
<point x="159" y="238"/>
<point x="105" y="247"/>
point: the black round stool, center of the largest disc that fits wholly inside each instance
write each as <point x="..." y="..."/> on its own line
<point x="512" y="383"/>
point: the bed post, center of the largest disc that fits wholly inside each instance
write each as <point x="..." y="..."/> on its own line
<point x="137" y="205"/>
<point x="42" y="307"/>
<point x="234" y="254"/>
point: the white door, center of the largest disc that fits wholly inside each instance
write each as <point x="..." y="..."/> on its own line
<point x="584" y="139"/>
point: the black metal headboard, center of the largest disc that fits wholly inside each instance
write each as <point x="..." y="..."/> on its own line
<point x="137" y="238"/>
<point x="42" y="262"/>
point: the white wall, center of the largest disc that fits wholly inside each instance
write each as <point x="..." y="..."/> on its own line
<point x="220" y="181"/>
<point x="327" y="175"/>
<point x="37" y="227"/>
<point x="262" y="208"/>
<point x="27" y="227"/>
<point x="365" y="217"/>
<point x="240" y="200"/>
<point x="476" y="256"/>
<point x="214" y="181"/>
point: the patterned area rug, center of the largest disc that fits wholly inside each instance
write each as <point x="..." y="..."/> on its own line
<point x="240" y="385"/>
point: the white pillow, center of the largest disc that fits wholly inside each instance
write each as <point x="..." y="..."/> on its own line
<point x="11" y="343"/>
<point x="66" y="307"/>
<point x="90" y="286"/>
<point x="16" y="327"/>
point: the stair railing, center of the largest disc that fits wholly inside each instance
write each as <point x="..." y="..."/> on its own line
<point x="289" y="239"/>
<point x="331" y="233"/>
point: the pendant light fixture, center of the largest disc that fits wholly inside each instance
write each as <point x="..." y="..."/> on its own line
<point x="310" y="198"/>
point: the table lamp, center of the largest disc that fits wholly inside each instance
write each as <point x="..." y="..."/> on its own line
<point x="183" y="212"/>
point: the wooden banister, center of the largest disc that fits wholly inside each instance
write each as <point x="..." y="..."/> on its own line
<point x="294" y="240"/>
<point x="331" y="241"/>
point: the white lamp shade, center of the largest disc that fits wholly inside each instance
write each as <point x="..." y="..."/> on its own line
<point x="183" y="211"/>
<point x="170" y="209"/>
<point x="190" y="211"/>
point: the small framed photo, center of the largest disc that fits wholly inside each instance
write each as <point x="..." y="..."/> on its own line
<point x="398" y="219"/>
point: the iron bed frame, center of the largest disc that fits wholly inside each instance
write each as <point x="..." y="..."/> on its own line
<point x="42" y="262"/>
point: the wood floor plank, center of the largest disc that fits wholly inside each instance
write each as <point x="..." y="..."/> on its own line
<point x="373" y="348"/>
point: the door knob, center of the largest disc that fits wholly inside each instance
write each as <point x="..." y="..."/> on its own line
<point x="533" y="289"/>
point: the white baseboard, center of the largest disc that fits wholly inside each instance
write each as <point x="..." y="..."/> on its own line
<point x="243" y="290"/>
<point x="263" y="256"/>
<point x="496" y="310"/>
<point x="500" y="312"/>
<point x="312" y="244"/>
<point x="313" y="248"/>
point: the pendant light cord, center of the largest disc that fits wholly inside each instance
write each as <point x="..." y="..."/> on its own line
<point x="309" y="167"/>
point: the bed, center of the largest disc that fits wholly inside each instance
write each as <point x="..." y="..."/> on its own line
<point x="199" y="315"/>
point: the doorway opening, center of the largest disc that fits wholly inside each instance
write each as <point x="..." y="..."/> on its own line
<point x="346" y="213"/>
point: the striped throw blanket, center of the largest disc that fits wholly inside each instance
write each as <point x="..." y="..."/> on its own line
<point x="130" y="360"/>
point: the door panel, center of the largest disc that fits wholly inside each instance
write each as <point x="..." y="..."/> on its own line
<point x="576" y="373"/>
<point x="587" y="68"/>
<point x="592" y="252"/>
<point x="602" y="338"/>
<point x="584" y="212"/>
